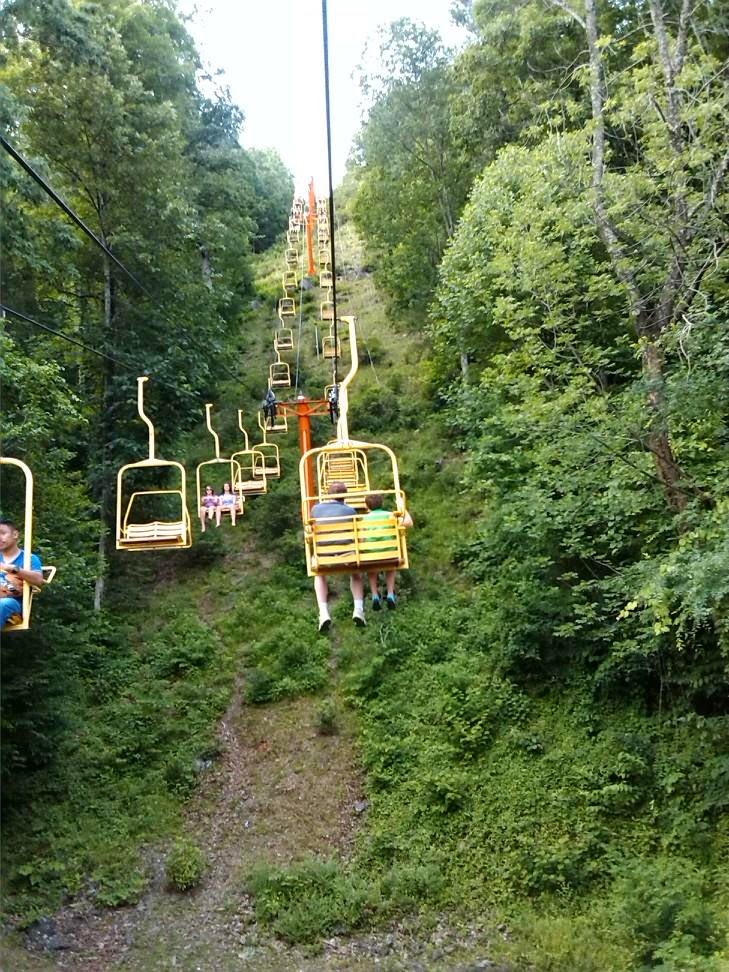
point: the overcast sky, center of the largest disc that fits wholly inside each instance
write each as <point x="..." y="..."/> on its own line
<point x="271" y="54"/>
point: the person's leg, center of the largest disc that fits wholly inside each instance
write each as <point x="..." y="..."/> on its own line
<point x="321" y="589"/>
<point x="202" y="518"/>
<point x="232" y="515"/>
<point x="374" y="590"/>
<point x="356" y="585"/>
<point x="8" y="607"/>
<point x="218" y="513"/>
<point x="391" y="600"/>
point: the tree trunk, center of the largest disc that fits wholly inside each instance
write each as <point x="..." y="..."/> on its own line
<point x="659" y="442"/>
<point x="104" y="505"/>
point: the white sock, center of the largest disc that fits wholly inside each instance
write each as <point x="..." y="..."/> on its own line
<point x="358" y="605"/>
<point x="324" y="612"/>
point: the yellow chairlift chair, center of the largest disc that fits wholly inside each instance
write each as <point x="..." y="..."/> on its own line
<point x="269" y="450"/>
<point x="21" y="622"/>
<point x="279" y="374"/>
<point x="279" y="424"/>
<point x="230" y="468"/>
<point x="326" y="310"/>
<point x="325" y="258"/>
<point x="290" y="282"/>
<point x="137" y="532"/>
<point x="252" y="463"/>
<point x="286" y="307"/>
<point x="346" y="544"/>
<point x="326" y="279"/>
<point x="330" y="348"/>
<point x="292" y="257"/>
<point x="293" y="236"/>
<point x="283" y="339"/>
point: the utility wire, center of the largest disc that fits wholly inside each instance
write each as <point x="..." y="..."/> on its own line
<point x="131" y="367"/>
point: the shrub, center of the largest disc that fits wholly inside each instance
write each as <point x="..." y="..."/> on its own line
<point x="185" y="866"/>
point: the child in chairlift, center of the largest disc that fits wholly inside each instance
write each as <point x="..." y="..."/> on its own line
<point x="227" y="503"/>
<point x="208" y="506"/>
<point x="374" y="504"/>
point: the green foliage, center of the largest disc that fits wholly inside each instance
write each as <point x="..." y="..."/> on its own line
<point x="326" y="718"/>
<point x="313" y="898"/>
<point x="185" y="866"/>
<point x="292" y="661"/>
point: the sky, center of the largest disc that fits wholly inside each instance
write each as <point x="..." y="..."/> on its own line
<point x="270" y="52"/>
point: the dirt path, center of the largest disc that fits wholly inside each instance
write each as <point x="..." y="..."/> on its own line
<point x="279" y="791"/>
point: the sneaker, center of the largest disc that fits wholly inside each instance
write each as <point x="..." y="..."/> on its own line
<point x="324" y="625"/>
<point x="376" y="602"/>
<point x="359" y="619"/>
<point x="391" y="601"/>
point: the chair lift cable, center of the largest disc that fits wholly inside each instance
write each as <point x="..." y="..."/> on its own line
<point x="331" y="185"/>
<point x="134" y="369"/>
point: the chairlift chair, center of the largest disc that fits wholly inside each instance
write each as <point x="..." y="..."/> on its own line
<point x="283" y="339"/>
<point x="253" y="477"/>
<point x="326" y="279"/>
<point x="329" y="347"/>
<point x="286" y="307"/>
<point x="290" y="281"/>
<point x="347" y="544"/>
<point x="232" y="474"/>
<point x="269" y="450"/>
<point x="21" y="622"/>
<point x="292" y="257"/>
<point x="135" y="533"/>
<point x="279" y="374"/>
<point x="326" y="310"/>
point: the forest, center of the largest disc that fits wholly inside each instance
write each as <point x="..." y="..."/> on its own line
<point x="532" y="233"/>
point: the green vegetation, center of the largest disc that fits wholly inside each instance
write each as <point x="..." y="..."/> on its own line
<point x="542" y="724"/>
<point x="185" y="866"/>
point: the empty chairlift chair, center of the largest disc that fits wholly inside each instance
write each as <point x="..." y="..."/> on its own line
<point x="252" y="462"/>
<point x="269" y="450"/>
<point x="279" y="374"/>
<point x="283" y="339"/>
<point x="331" y="347"/>
<point x="136" y="528"/>
<point x="290" y="282"/>
<point x="21" y="622"/>
<point x="326" y="279"/>
<point x="286" y="307"/>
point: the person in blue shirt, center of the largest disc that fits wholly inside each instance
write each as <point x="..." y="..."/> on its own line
<point x="334" y="505"/>
<point x="12" y="573"/>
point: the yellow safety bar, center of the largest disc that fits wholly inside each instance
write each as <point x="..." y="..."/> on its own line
<point x="21" y="622"/>
<point x="156" y="534"/>
<point x="234" y="470"/>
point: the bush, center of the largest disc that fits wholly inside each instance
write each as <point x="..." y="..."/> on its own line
<point x="185" y="866"/>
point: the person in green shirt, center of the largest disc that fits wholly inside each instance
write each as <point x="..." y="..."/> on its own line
<point x="375" y="505"/>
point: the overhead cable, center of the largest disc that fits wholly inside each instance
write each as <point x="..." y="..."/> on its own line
<point x="68" y="211"/>
<point x="325" y="28"/>
<point x="131" y="367"/>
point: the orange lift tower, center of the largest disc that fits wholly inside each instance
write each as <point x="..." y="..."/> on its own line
<point x="310" y="222"/>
